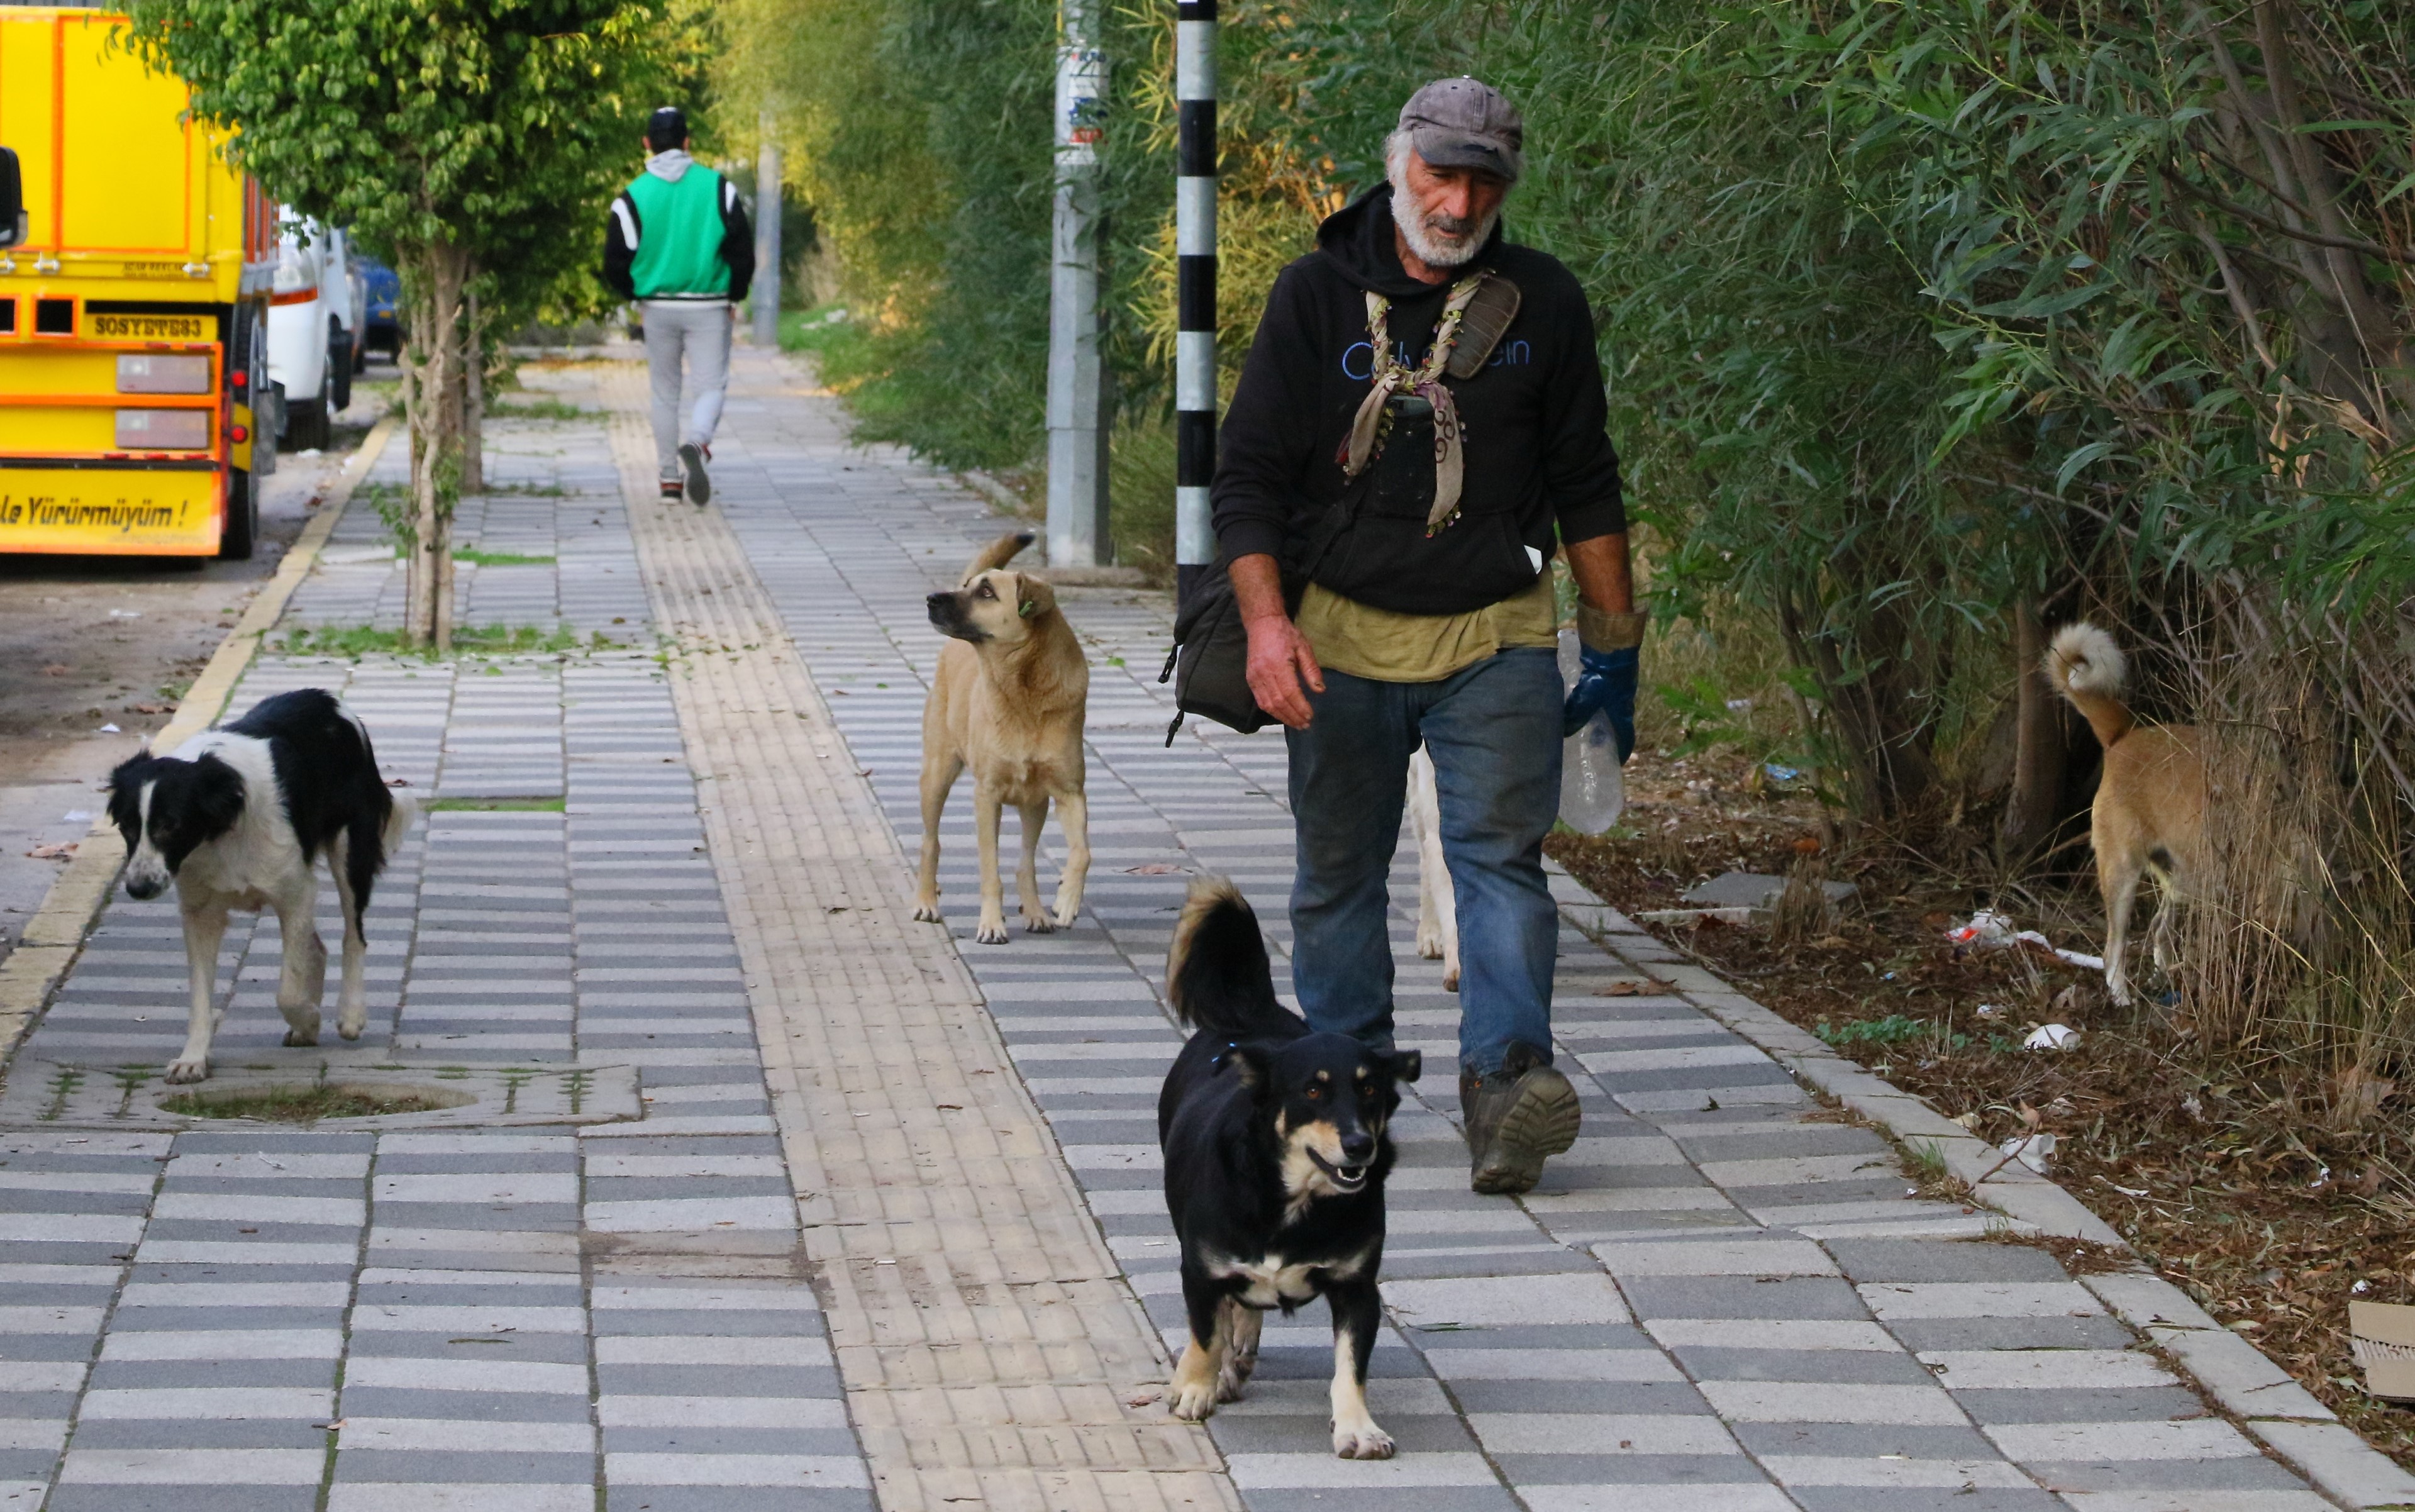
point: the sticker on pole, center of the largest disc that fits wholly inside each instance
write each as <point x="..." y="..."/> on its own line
<point x="1081" y="88"/>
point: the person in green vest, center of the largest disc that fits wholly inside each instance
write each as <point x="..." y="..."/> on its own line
<point x="677" y="242"/>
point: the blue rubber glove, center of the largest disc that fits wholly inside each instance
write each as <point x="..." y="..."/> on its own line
<point x="1605" y="684"/>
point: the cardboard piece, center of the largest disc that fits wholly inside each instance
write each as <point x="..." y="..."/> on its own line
<point x="2382" y="1334"/>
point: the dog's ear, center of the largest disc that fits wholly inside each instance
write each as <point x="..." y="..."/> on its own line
<point x="1253" y="1064"/>
<point x="1407" y="1065"/>
<point x="125" y="795"/>
<point x="1033" y="597"/>
<point x="217" y="797"/>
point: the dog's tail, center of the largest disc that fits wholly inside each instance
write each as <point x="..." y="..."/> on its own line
<point x="1216" y="974"/>
<point x="399" y="821"/>
<point x="997" y="554"/>
<point x="2087" y="667"/>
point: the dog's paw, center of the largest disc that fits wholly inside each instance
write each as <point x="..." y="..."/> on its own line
<point x="1450" y="979"/>
<point x="1193" y="1402"/>
<point x="1429" y="946"/>
<point x="927" y="913"/>
<point x="186" y="1069"/>
<point x="990" y="933"/>
<point x="1066" y="914"/>
<point x="1232" y="1379"/>
<point x="296" y="1038"/>
<point x="302" y="1030"/>
<point x="1365" y="1442"/>
<point x="1038" y="924"/>
<point x="350" y="1025"/>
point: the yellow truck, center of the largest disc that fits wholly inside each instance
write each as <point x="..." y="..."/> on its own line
<point x="136" y="273"/>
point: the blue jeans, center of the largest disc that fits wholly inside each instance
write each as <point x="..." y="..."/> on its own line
<point x="1494" y="732"/>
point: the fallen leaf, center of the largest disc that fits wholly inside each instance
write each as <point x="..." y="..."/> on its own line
<point x="1631" y="987"/>
<point x="1153" y="869"/>
<point x="55" y="670"/>
<point x="58" y="851"/>
<point x="146" y="709"/>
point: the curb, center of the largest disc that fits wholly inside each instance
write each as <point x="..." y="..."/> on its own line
<point x="55" y="934"/>
<point x="2266" y="1399"/>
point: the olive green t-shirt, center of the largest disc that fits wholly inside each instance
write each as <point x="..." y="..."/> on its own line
<point x="1364" y="642"/>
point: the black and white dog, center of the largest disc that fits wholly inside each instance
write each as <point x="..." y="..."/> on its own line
<point x="237" y="818"/>
<point x="1276" y="1152"/>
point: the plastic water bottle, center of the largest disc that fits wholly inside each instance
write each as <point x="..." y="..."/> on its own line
<point x="1592" y="791"/>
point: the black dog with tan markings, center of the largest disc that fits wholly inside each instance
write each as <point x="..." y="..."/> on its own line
<point x="1276" y="1151"/>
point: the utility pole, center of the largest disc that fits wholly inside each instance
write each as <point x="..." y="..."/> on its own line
<point x="767" y="234"/>
<point x="1194" y="245"/>
<point x="1078" y="431"/>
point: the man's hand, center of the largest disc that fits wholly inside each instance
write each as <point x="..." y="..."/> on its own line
<point x="1279" y="662"/>
<point x="1280" y="658"/>
<point x="1609" y="635"/>
<point x="1605" y="684"/>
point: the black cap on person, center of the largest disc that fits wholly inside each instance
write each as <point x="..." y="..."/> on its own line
<point x="666" y="129"/>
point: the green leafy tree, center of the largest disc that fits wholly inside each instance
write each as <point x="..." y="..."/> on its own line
<point x="450" y="135"/>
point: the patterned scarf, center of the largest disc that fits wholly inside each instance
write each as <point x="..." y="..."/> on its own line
<point x="1373" y="422"/>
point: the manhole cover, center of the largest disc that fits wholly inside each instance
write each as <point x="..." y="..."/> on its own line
<point x="346" y="1093"/>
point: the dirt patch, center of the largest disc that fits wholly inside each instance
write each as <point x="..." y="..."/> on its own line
<point x="2217" y="1164"/>
<point x="306" y="1104"/>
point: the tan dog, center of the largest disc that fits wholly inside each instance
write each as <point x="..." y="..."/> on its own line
<point x="1008" y="701"/>
<point x="2150" y="809"/>
<point x="1437" y="899"/>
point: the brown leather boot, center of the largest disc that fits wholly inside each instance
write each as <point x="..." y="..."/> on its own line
<point x="1514" y="1119"/>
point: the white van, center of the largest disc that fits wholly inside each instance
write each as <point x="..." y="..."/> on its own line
<point x="312" y="319"/>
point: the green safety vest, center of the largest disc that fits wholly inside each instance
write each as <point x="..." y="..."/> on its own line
<point x="679" y="235"/>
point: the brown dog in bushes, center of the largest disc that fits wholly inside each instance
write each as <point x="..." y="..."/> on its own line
<point x="2151" y="800"/>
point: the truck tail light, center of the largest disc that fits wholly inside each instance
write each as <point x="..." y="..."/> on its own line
<point x="163" y="430"/>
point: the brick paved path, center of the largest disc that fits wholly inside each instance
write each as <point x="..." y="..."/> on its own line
<point x="690" y="865"/>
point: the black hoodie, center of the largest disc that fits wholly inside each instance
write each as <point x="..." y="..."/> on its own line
<point x="1536" y="450"/>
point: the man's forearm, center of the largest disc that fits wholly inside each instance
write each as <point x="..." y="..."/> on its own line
<point x="1606" y="617"/>
<point x="1257" y="588"/>
<point x="1605" y="578"/>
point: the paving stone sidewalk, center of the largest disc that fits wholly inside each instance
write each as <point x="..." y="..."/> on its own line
<point x="1718" y="1301"/>
<point x="537" y="1319"/>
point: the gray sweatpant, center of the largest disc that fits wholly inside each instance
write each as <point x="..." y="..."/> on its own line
<point x="702" y="330"/>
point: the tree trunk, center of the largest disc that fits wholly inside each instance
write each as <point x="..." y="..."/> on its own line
<point x="474" y="401"/>
<point x="433" y="400"/>
<point x="1869" y="700"/>
<point x="2040" y="750"/>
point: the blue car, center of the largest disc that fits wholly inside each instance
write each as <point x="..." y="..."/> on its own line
<point x="380" y="291"/>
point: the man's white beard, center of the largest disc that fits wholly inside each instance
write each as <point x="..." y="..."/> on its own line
<point x="1436" y="246"/>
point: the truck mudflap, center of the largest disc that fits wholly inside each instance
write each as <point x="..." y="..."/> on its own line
<point x="111" y="511"/>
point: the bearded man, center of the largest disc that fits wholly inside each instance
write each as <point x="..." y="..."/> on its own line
<point x="1387" y="502"/>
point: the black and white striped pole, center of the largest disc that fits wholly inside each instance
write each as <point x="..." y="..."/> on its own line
<point x="1194" y="245"/>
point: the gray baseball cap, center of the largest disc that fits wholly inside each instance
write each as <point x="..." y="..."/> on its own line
<point x="1463" y="122"/>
